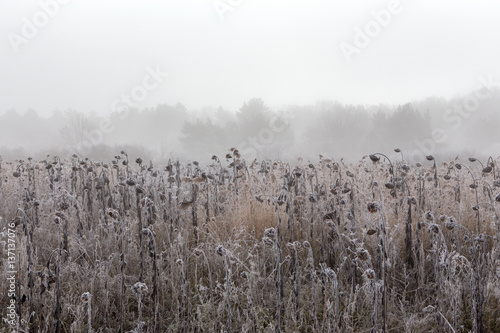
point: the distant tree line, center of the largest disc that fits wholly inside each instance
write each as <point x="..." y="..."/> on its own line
<point x="326" y="127"/>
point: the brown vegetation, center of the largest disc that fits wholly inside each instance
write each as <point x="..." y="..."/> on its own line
<point x="252" y="246"/>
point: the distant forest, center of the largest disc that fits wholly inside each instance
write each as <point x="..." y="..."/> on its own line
<point x="466" y="124"/>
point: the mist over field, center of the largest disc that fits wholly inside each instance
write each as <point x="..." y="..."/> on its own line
<point x="438" y="126"/>
<point x="274" y="79"/>
<point x="249" y="166"/>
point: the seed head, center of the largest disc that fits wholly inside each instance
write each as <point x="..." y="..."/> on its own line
<point x="220" y="250"/>
<point x="63" y="205"/>
<point x="346" y="190"/>
<point x="363" y="255"/>
<point x="449" y="225"/>
<point x="336" y="190"/>
<point x="86" y="297"/>
<point x="113" y="213"/>
<point x="434" y="228"/>
<point x="270" y="232"/>
<point x="197" y="252"/>
<point x="373" y="207"/>
<point x="487" y="169"/>
<point x="370" y="274"/>
<point x="312" y="198"/>
<point x="16" y="221"/>
<point x="267" y="241"/>
<point x="429" y="216"/>
<point x="140" y="288"/>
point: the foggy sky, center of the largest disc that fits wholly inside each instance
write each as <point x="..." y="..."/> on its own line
<point x="286" y="52"/>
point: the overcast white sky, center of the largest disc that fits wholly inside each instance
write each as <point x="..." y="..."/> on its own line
<point x="286" y="52"/>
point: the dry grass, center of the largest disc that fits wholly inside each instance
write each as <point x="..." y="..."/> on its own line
<point x="343" y="255"/>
